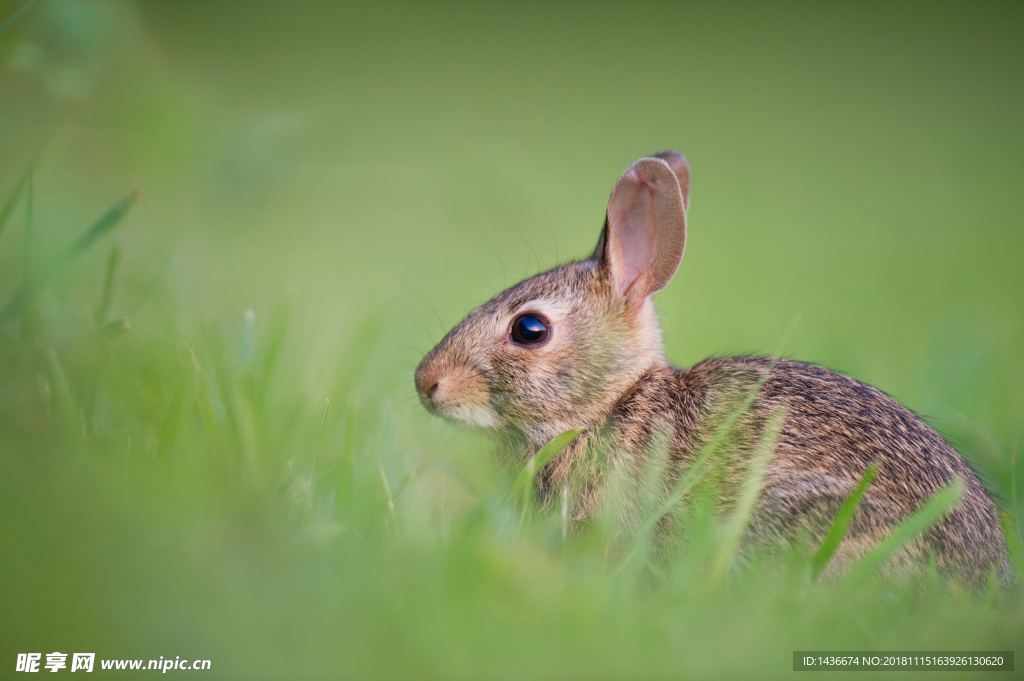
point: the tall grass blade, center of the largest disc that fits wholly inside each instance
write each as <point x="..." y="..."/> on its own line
<point x="102" y="226"/>
<point x="167" y="434"/>
<point x="107" y="295"/>
<point x="35" y="281"/>
<point x="201" y="390"/>
<point x="319" y="437"/>
<point x="738" y="520"/>
<point x="12" y="200"/>
<point x="694" y="473"/>
<point x="28" y="246"/>
<point x="563" y="514"/>
<point x="248" y="335"/>
<point x="930" y="513"/>
<point x="841" y="524"/>
<point x="273" y="342"/>
<point x="387" y="491"/>
<point x="350" y="422"/>
<point x="17" y="14"/>
<point x="1014" y="546"/>
<point x="543" y="457"/>
<point x="63" y="403"/>
<point x="522" y="484"/>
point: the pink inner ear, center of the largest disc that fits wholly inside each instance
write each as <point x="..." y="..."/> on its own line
<point x="632" y="215"/>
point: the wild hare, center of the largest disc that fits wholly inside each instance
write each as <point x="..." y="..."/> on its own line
<point x="579" y="347"/>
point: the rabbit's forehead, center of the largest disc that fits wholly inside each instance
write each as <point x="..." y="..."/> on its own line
<point x="554" y="293"/>
<point x="551" y="304"/>
<point x="557" y="295"/>
<point x="497" y="316"/>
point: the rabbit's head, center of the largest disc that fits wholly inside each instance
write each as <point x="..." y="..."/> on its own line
<point x="557" y="350"/>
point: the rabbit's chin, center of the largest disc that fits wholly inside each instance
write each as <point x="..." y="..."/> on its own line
<point x="472" y="415"/>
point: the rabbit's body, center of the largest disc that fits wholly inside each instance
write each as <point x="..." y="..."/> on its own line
<point x="834" y="428"/>
<point x="579" y="347"/>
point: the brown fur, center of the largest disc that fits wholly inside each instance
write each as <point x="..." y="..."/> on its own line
<point x="603" y="371"/>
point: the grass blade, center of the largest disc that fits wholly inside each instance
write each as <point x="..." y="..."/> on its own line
<point x="930" y="513"/>
<point x="694" y="473"/>
<point x="28" y="247"/>
<point x="17" y="14"/>
<point x="12" y="200"/>
<point x="522" y="485"/>
<point x="841" y="524"/>
<point x="101" y="227"/>
<point x="563" y="514"/>
<point x="1014" y="546"/>
<point x="34" y="282"/>
<point x="543" y="457"/>
<point x="167" y="433"/>
<point x="319" y="438"/>
<point x="749" y="493"/>
<point x="107" y="296"/>
<point x="273" y="343"/>
<point x="63" y="404"/>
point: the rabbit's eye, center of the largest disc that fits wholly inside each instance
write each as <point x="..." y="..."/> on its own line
<point x="529" y="329"/>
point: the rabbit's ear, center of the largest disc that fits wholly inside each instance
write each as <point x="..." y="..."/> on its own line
<point x="645" y="228"/>
<point x="681" y="167"/>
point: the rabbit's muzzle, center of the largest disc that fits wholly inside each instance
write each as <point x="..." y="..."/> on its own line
<point x="455" y="391"/>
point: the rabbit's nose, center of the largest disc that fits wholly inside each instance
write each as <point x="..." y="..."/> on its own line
<point x="426" y="384"/>
<point x="429" y="392"/>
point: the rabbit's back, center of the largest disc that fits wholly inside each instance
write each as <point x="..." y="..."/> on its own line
<point x="834" y="427"/>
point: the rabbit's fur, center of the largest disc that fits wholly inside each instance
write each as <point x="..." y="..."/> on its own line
<point x="602" y="370"/>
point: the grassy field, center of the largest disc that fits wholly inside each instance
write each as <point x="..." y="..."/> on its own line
<point x="210" y="446"/>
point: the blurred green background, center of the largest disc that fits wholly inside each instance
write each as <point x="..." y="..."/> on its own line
<point x="327" y="187"/>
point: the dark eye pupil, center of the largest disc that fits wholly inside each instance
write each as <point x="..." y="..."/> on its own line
<point x="528" y="329"/>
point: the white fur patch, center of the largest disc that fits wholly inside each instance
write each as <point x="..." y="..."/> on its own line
<point x="471" y="414"/>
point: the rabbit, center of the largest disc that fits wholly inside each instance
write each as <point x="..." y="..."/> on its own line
<point x="579" y="348"/>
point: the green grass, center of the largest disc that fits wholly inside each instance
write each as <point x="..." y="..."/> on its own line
<point x="841" y="523"/>
<point x="169" y="496"/>
<point x="210" y="445"/>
